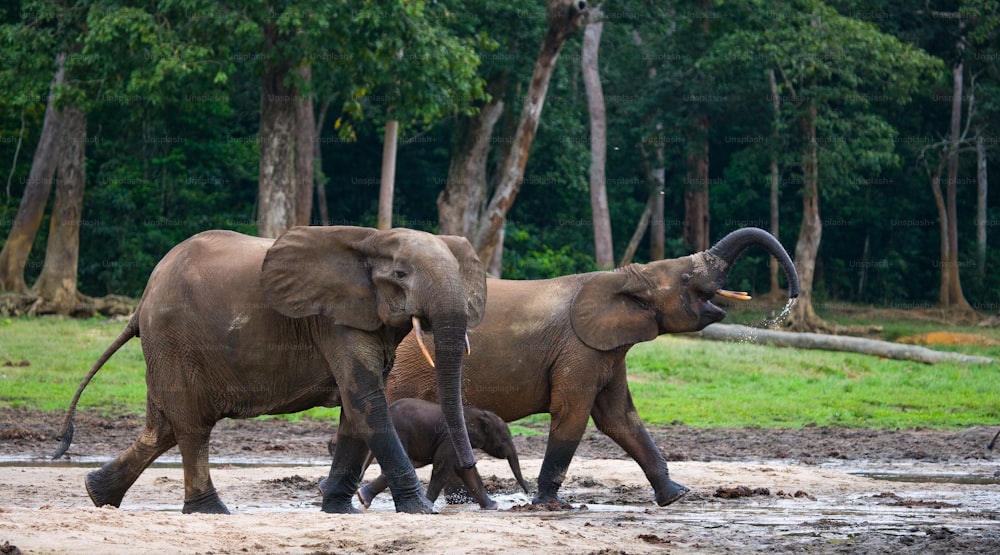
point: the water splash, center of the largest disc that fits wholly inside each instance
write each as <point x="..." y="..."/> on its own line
<point x="773" y="321"/>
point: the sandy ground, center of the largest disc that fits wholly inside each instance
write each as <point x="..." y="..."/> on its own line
<point x="775" y="500"/>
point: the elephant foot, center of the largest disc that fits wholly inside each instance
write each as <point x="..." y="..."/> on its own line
<point x="97" y="483"/>
<point x="365" y="496"/>
<point x="339" y="507"/>
<point x="488" y="504"/>
<point x="208" y="503"/>
<point x="417" y="505"/>
<point x="673" y="492"/>
<point x="336" y="503"/>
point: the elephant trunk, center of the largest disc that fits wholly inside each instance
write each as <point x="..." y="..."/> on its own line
<point x="732" y="245"/>
<point x="449" y="350"/>
<point x="515" y="467"/>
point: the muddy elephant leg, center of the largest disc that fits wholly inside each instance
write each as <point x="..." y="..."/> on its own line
<point x="615" y="415"/>
<point x="199" y="492"/>
<point x="107" y="485"/>
<point x="364" y="425"/>
<point x="569" y="420"/>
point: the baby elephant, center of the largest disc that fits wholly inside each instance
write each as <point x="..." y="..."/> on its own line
<point x="424" y="434"/>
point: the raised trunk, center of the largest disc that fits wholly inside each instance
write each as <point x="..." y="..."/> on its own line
<point x="564" y="17"/>
<point x="732" y="245"/>
<point x="17" y="247"/>
<point x="56" y="286"/>
<point x="603" y="244"/>
<point x="387" y="184"/>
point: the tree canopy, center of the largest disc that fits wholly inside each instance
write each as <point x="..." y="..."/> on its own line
<point x="172" y="94"/>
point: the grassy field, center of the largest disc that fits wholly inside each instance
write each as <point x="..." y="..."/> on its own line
<point x="674" y="379"/>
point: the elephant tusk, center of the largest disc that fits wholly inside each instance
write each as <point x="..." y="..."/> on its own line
<point x="738" y="295"/>
<point x="420" y="341"/>
<point x="468" y="346"/>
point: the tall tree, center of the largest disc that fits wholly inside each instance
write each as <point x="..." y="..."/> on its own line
<point x="17" y="247"/>
<point x="56" y="285"/>
<point x="603" y="244"/>
<point x="564" y="18"/>
<point x="823" y="62"/>
<point x="696" y="183"/>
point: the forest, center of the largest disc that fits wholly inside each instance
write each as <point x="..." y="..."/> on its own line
<point x="558" y="136"/>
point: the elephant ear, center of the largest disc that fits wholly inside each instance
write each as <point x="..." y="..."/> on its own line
<point x="606" y="314"/>
<point x="473" y="275"/>
<point x="322" y="270"/>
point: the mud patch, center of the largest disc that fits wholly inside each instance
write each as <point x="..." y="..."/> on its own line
<point x="948" y="338"/>
<point x="740" y="491"/>
<point x="893" y="500"/>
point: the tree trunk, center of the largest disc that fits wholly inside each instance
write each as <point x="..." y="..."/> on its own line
<point x="56" y="285"/>
<point x="14" y="256"/>
<point x="564" y="18"/>
<point x="696" y="218"/>
<point x="696" y="212"/>
<point x="884" y="349"/>
<point x="657" y="222"/>
<point x="388" y="181"/>
<point x="279" y="191"/>
<point x="461" y="201"/>
<point x="656" y="175"/>
<point x="318" y="176"/>
<point x="935" y="181"/>
<point x="775" y="177"/>
<point x="640" y="228"/>
<point x="305" y="135"/>
<point x="804" y="315"/>
<point x="603" y="244"/>
<point x="955" y="298"/>
<point x="982" y="188"/>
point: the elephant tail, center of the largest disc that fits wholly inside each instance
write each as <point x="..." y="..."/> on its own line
<point x="66" y="433"/>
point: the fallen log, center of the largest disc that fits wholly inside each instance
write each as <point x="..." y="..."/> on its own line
<point x="874" y="347"/>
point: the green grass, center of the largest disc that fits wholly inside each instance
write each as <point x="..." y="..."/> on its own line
<point x="673" y="379"/>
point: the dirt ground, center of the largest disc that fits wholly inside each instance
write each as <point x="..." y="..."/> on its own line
<point x="816" y="490"/>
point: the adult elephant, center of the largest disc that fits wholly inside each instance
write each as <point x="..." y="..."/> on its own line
<point x="234" y="326"/>
<point x="558" y="346"/>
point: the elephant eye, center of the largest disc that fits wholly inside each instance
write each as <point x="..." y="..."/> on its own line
<point x="400" y="274"/>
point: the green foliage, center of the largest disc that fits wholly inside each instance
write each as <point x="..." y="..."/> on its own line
<point x="172" y="94"/>
<point x="699" y="383"/>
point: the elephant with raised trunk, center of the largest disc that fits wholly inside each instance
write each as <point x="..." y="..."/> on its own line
<point x="421" y="427"/>
<point x="558" y="346"/>
<point x="234" y="326"/>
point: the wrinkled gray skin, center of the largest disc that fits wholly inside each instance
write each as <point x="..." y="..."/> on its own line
<point x="558" y="346"/>
<point x="234" y="326"/>
<point x="422" y="430"/>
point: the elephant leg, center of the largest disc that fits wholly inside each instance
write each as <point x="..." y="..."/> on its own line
<point x="365" y="424"/>
<point x="108" y="484"/>
<point x="569" y="420"/>
<point x="199" y="492"/>
<point x="615" y="415"/>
